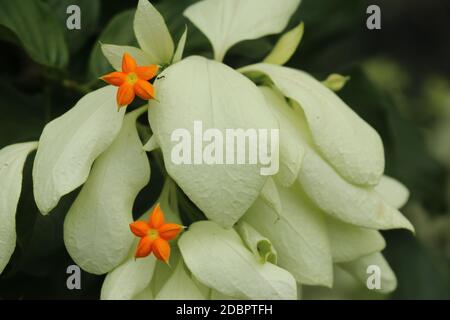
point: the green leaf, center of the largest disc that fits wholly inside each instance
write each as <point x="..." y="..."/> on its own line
<point x="119" y="31"/>
<point x="90" y="14"/>
<point x="180" y="47"/>
<point x="152" y="33"/>
<point x="299" y="235"/>
<point x="218" y="258"/>
<point x="205" y="90"/>
<point x="260" y="246"/>
<point x="12" y="160"/>
<point x="335" y="81"/>
<point x="69" y="145"/>
<point x="347" y="142"/>
<point x="239" y="20"/>
<point x="286" y="46"/>
<point x="36" y="28"/>
<point x="96" y="228"/>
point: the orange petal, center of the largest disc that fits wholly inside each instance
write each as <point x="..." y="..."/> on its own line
<point x="144" y="247"/>
<point x="115" y="78"/>
<point x="144" y="89"/>
<point x="161" y="249"/>
<point x="147" y="73"/>
<point x="156" y="218"/>
<point x="125" y="94"/>
<point x="169" y="231"/>
<point x="128" y="63"/>
<point x="139" y="228"/>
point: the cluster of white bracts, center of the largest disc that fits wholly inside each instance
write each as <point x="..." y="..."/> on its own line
<point x="265" y="236"/>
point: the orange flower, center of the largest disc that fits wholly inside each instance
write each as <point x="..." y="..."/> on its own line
<point x="132" y="81"/>
<point x="155" y="235"/>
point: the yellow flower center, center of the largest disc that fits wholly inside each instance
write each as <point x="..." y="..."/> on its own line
<point x="132" y="78"/>
<point x="153" y="234"/>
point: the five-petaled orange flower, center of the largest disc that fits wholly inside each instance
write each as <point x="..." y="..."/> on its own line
<point x="132" y="81"/>
<point x="155" y="235"/>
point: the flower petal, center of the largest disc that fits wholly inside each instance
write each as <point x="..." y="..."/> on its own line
<point x="144" y="90"/>
<point x="139" y="228"/>
<point x="156" y="218"/>
<point x="115" y="78"/>
<point x="144" y="247"/>
<point x="125" y="94"/>
<point x="161" y="249"/>
<point x="392" y="191"/>
<point x="169" y="231"/>
<point x="128" y="63"/>
<point x="147" y="72"/>
<point x="12" y="160"/>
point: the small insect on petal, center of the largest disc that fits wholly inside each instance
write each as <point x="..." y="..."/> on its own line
<point x="147" y="73"/>
<point x="144" y="247"/>
<point x="156" y="218"/>
<point x="139" y="228"/>
<point x="115" y="78"/>
<point x="125" y="94"/>
<point x="169" y="231"/>
<point x="128" y="63"/>
<point x="144" y="90"/>
<point x="161" y="249"/>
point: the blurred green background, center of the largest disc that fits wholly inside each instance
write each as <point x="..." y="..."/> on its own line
<point x="400" y="84"/>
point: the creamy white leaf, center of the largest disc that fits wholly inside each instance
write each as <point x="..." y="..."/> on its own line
<point x="69" y="145"/>
<point x="226" y="23"/>
<point x="197" y="89"/>
<point x="392" y="191"/>
<point x="96" y="229"/>
<point x="291" y="136"/>
<point x="12" y="160"/>
<point x="360" y="269"/>
<point x="129" y="279"/>
<point x="114" y="55"/>
<point x="347" y="142"/>
<point x="218" y="258"/>
<point x="299" y="235"/>
<point x="179" y="286"/>
<point x="349" y="242"/>
<point x="347" y="202"/>
<point x="152" y="33"/>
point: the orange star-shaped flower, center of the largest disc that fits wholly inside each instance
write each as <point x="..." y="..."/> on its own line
<point x="132" y="81"/>
<point x="155" y="235"/>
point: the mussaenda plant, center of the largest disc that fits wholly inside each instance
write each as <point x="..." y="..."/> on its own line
<point x="263" y="236"/>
